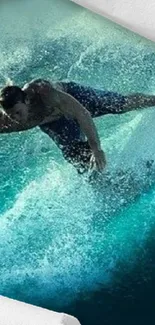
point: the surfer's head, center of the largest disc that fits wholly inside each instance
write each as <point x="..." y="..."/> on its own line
<point x="13" y="102"/>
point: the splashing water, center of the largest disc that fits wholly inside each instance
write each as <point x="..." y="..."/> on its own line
<point x="59" y="235"/>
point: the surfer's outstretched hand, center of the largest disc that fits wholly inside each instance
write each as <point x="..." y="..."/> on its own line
<point x="98" y="160"/>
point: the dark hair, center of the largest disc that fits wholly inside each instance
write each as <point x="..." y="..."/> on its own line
<point x="10" y="95"/>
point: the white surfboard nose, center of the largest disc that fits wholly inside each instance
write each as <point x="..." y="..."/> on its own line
<point x="136" y="15"/>
<point x="13" y="312"/>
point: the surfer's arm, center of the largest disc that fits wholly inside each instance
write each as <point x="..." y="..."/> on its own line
<point x="71" y="107"/>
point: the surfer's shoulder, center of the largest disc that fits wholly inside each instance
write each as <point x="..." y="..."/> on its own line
<point x="37" y="85"/>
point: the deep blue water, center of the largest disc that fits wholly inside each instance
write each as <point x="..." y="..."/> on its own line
<point x="65" y="244"/>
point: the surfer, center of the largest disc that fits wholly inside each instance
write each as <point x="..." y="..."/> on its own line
<point x="65" y="111"/>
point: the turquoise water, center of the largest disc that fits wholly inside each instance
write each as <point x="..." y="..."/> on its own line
<point x="65" y="244"/>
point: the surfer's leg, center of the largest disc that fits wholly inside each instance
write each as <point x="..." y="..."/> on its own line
<point x="138" y="101"/>
<point x="67" y="136"/>
<point x="100" y="102"/>
<point x="97" y="102"/>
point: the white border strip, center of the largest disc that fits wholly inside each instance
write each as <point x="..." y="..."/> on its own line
<point x="13" y="312"/>
<point x="136" y="15"/>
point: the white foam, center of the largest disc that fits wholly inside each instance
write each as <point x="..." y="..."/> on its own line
<point x="133" y="142"/>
